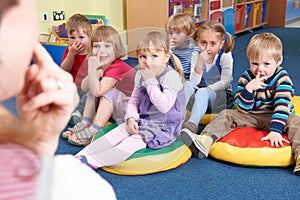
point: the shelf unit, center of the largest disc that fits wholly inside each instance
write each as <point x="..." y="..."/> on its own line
<point x="144" y="16"/>
<point x="251" y="14"/>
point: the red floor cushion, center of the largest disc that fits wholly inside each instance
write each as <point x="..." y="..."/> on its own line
<point x="243" y="146"/>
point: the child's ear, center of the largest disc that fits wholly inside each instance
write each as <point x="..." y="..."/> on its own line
<point x="222" y="44"/>
<point x="168" y="55"/>
<point x="280" y="61"/>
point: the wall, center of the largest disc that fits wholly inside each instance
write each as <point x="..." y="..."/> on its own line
<point x="114" y="10"/>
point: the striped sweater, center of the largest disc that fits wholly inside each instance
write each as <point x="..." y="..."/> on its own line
<point x="275" y="97"/>
<point x="187" y="56"/>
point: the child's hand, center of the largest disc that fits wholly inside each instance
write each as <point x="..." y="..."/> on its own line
<point x="202" y="59"/>
<point x="256" y="83"/>
<point x="94" y="66"/>
<point x="76" y="48"/>
<point x="149" y="72"/>
<point x="275" y="138"/>
<point x="132" y="126"/>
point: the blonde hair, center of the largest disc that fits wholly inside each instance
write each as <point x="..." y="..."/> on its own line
<point x="265" y="43"/>
<point x="181" y="22"/>
<point x="160" y="43"/>
<point x="110" y="35"/>
<point x="217" y="27"/>
<point x="78" y="21"/>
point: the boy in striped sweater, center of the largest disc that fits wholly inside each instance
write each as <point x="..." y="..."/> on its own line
<point x="263" y="101"/>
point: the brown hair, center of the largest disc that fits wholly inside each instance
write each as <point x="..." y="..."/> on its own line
<point x="265" y="43"/>
<point x="161" y="43"/>
<point x="78" y="21"/>
<point x="216" y="26"/>
<point x="181" y="22"/>
<point x="5" y="5"/>
<point x="108" y="34"/>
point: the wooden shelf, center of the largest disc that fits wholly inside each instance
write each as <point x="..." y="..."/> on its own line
<point x="147" y="15"/>
<point x="251" y="14"/>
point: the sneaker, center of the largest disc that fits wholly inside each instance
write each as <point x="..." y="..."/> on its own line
<point x="190" y="126"/>
<point x="297" y="167"/>
<point x="194" y="142"/>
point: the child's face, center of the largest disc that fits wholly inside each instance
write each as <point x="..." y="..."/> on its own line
<point x="210" y="41"/>
<point x="105" y="52"/>
<point x="153" y="59"/>
<point x="177" y="39"/>
<point x="79" y="36"/>
<point x="265" y="65"/>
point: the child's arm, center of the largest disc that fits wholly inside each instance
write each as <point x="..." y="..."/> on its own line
<point x="133" y="103"/>
<point x="73" y="50"/>
<point x="246" y="87"/>
<point x="95" y="87"/>
<point x="67" y="63"/>
<point x="164" y="99"/>
<point x="226" y="73"/>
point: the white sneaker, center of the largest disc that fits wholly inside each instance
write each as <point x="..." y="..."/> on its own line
<point x="194" y="142"/>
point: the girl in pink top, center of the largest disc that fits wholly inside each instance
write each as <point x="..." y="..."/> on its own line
<point x="109" y="84"/>
<point x="155" y="110"/>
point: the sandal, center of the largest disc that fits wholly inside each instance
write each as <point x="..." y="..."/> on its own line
<point x="80" y="138"/>
<point x="78" y="127"/>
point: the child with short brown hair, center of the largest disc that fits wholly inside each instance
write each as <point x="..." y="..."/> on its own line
<point x="79" y="30"/>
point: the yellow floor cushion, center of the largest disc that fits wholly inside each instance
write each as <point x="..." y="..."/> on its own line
<point x="243" y="146"/>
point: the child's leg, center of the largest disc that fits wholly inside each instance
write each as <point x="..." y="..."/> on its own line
<point x="203" y="97"/>
<point x="188" y="91"/>
<point x="89" y="108"/>
<point x="119" y="101"/>
<point x="113" y="148"/>
<point x="83" y="97"/>
<point x="215" y="130"/>
<point x="293" y="131"/>
<point x="104" y="112"/>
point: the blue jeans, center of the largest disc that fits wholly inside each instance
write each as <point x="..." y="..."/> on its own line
<point x="204" y="99"/>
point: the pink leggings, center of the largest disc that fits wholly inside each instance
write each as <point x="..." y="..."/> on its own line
<point x="112" y="148"/>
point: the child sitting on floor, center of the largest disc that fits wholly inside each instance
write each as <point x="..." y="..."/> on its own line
<point x="210" y="82"/>
<point x="109" y="84"/>
<point x="180" y="28"/>
<point x="263" y="101"/>
<point x="155" y="110"/>
<point x="74" y="61"/>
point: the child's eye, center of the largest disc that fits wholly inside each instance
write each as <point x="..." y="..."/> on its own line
<point x="267" y="64"/>
<point x="72" y="38"/>
<point x="203" y="43"/>
<point x="213" y="44"/>
<point x="82" y="37"/>
<point x="142" y="57"/>
<point x="254" y="64"/>
<point x="96" y="46"/>
<point x="154" y="56"/>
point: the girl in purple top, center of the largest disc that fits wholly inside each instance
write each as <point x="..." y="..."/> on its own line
<point x="155" y="110"/>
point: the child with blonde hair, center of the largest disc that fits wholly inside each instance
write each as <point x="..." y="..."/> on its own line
<point x="263" y="101"/>
<point x="180" y="28"/>
<point x="210" y="81"/>
<point x="109" y="83"/>
<point x="155" y="110"/>
<point x="79" y="31"/>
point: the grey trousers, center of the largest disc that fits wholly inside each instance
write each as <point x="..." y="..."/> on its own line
<point x="228" y="119"/>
